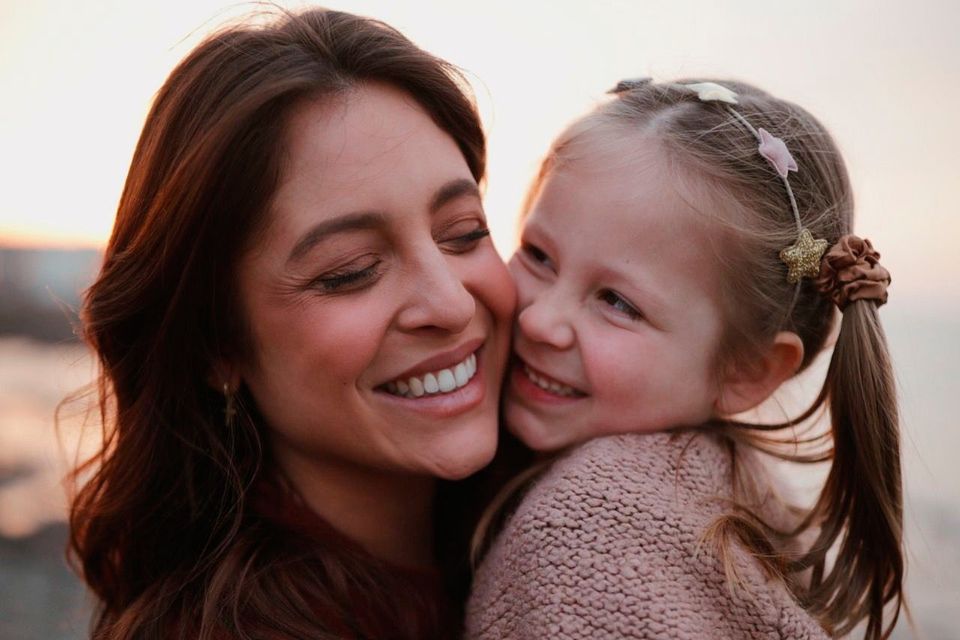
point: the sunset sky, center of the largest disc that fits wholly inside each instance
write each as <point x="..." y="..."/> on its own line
<point x="76" y="79"/>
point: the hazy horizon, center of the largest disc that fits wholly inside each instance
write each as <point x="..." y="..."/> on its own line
<point x="78" y="79"/>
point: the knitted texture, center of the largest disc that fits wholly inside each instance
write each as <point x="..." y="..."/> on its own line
<point x="606" y="544"/>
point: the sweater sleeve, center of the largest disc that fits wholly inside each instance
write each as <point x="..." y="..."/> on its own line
<point x="607" y="544"/>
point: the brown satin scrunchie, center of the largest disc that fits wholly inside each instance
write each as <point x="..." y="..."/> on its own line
<point x="850" y="271"/>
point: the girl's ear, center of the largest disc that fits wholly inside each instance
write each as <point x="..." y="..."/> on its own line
<point x="743" y="389"/>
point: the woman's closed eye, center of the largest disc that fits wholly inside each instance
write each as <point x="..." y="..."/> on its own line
<point x="619" y="304"/>
<point x="348" y="278"/>
<point x="464" y="242"/>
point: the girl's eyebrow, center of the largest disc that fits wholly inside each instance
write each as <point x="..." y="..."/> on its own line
<point x="532" y="226"/>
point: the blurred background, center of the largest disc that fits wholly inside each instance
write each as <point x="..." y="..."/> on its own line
<point x="76" y="80"/>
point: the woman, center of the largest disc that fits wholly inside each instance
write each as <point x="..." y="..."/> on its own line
<point x="302" y="324"/>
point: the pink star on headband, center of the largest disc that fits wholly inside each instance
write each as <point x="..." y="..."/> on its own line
<point x="775" y="151"/>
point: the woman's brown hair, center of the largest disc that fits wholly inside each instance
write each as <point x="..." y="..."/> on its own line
<point x="161" y="524"/>
<point x="858" y="514"/>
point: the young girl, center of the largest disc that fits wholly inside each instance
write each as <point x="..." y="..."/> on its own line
<point x="683" y="251"/>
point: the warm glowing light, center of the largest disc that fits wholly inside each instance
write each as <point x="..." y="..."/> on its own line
<point x="77" y="79"/>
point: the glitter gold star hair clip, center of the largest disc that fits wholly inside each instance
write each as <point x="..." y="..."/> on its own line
<point x="802" y="257"/>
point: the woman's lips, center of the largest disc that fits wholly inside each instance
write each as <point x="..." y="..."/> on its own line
<point x="443" y="380"/>
<point x="440" y="361"/>
<point x="440" y="403"/>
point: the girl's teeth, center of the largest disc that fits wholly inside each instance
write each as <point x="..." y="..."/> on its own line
<point x="443" y="381"/>
<point x="549" y="385"/>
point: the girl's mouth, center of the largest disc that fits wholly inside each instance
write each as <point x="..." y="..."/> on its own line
<point x="549" y="384"/>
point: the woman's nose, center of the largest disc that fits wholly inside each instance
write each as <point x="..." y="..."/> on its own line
<point x="437" y="297"/>
<point x="546" y="319"/>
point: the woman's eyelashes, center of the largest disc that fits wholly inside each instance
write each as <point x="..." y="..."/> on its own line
<point x="619" y="304"/>
<point x="346" y="279"/>
<point x="354" y="278"/>
<point x="465" y="242"/>
<point x="460" y="233"/>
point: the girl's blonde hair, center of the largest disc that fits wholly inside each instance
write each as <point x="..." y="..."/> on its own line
<point x="859" y="510"/>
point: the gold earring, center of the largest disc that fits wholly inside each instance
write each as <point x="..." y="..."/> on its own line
<point x="230" y="408"/>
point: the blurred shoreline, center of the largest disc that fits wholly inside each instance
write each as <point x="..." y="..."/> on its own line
<point x="40" y="290"/>
<point x="41" y="598"/>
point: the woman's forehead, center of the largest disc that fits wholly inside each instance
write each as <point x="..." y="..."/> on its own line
<point x="347" y="131"/>
<point x="371" y="150"/>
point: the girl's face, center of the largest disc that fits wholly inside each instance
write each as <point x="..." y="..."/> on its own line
<point x="379" y="309"/>
<point x="618" y="318"/>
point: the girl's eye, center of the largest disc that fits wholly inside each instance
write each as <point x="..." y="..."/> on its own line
<point x="620" y="304"/>
<point x="345" y="280"/>
<point x="537" y="255"/>
<point x="467" y="241"/>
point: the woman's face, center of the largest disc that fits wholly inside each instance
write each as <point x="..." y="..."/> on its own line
<point x="378" y="307"/>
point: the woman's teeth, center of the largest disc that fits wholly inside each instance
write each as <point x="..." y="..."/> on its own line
<point x="548" y="384"/>
<point x="443" y="381"/>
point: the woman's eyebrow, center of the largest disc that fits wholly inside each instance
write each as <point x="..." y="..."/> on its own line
<point x="453" y="190"/>
<point x="359" y="220"/>
<point x="348" y="222"/>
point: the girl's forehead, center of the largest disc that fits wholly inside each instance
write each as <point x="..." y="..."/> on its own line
<point x="627" y="213"/>
<point x="617" y="177"/>
<point x="606" y="147"/>
<point x="623" y="169"/>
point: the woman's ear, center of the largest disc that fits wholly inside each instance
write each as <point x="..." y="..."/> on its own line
<point x="744" y="388"/>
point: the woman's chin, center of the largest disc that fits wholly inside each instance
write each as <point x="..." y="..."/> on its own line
<point x="465" y="455"/>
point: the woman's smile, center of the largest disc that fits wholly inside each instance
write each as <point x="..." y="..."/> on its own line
<point x="442" y="391"/>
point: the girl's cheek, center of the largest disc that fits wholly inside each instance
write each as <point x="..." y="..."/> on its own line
<point x="514" y="268"/>
<point x="526" y="286"/>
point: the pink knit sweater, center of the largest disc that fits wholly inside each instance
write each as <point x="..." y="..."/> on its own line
<point x="605" y="545"/>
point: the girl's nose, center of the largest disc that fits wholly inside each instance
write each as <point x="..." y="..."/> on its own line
<point x="438" y="298"/>
<point x="546" y="319"/>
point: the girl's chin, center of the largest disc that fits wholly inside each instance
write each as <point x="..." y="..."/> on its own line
<point x="532" y="432"/>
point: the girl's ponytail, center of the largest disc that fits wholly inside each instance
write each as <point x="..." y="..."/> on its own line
<point x="861" y="503"/>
